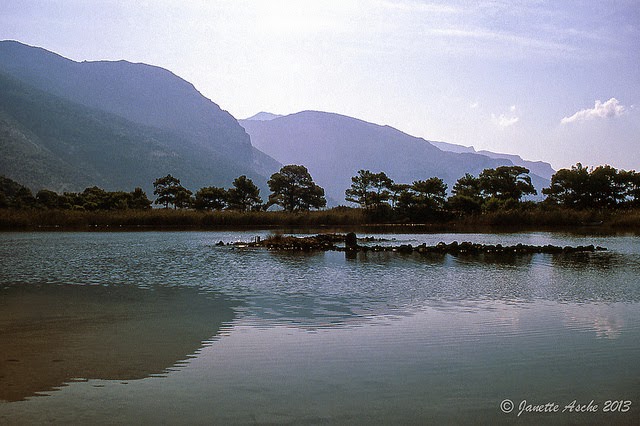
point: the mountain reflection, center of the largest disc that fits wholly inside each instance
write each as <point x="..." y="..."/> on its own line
<point x="52" y="335"/>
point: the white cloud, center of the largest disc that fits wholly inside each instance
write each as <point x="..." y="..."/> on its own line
<point x="504" y="121"/>
<point x="474" y="105"/>
<point x="610" y="108"/>
<point x="500" y="41"/>
<point x="415" y="6"/>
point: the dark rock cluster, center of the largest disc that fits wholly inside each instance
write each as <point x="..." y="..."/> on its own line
<point x="474" y="248"/>
<point x="329" y="242"/>
<point x="320" y="242"/>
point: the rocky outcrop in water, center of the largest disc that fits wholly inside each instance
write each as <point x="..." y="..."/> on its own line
<point x="334" y="242"/>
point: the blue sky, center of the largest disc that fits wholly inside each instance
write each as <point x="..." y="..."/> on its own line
<point x="557" y="81"/>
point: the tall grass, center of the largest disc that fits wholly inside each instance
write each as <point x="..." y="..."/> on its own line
<point x="523" y="219"/>
<point x="541" y="218"/>
<point x="167" y="218"/>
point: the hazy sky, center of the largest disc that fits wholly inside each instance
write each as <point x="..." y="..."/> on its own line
<point x="554" y="80"/>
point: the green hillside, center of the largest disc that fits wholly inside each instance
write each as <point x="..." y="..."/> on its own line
<point x="54" y="143"/>
<point x="67" y="125"/>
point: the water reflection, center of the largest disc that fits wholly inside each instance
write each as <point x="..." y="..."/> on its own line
<point x="606" y="321"/>
<point x="309" y="338"/>
<point x="593" y="261"/>
<point x="54" y="334"/>
<point x="321" y="290"/>
<point x="332" y="289"/>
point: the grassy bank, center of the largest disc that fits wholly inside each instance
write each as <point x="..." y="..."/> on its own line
<point x="511" y="220"/>
<point x="172" y="219"/>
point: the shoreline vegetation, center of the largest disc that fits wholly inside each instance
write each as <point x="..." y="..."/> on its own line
<point x="601" y="199"/>
<point x="339" y="218"/>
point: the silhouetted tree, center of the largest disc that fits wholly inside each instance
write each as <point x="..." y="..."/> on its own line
<point x="506" y="183"/>
<point x="244" y="195"/>
<point x="293" y="188"/>
<point x="71" y="200"/>
<point x="169" y="191"/>
<point x="468" y="186"/>
<point x="396" y="191"/>
<point x="370" y="190"/>
<point x="15" y="195"/>
<point x="118" y="200"/>
<point x="466" y="195"/>
<point x="48" y="199"/>
<point x="600" y="187"/>
<point x="631" y="181"/>
<point x="95" y="198"/>
<point x="360" y="188"/>
<point x="183" y="198"/>
<point x="570" y="187"/>
<point x="606" y="187"/>
<point x="23" y="199"/>
<point x="210" y="198"/>
<point x="423" y="199"/>
<point x="139" y="200"/>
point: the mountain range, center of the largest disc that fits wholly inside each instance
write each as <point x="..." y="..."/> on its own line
<point x="67" y="125"/>
<point x="334" y="147"/>
<point x="539" y="168"/>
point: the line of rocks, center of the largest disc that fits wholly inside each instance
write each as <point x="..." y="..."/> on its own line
<point x="328" y="242"/>
<point x="474" y="248"/>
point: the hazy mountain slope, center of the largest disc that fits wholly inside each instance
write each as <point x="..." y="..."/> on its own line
<point x="451" y="147"/>
<point x="188" y="125"/>
<point x="26" y="159"/>
<point x="264" y="165"/>
<point x="141" y="93"/>
<point x="263" y="116"/>
<point x="539" y="168"/>
<point x="334" y="147"/>
<point x="49" y="142"/>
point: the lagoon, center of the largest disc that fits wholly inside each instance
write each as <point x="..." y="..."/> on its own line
<point x="167" y="327"/>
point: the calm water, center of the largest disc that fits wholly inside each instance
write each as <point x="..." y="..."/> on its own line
<point x="160" y="327"/>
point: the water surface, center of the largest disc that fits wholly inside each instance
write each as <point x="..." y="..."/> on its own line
<point x="170" y="328"/>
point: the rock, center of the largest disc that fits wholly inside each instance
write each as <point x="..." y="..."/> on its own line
<point x="326" y="242"/>
<point x="405" y="248"/>
<point x="351" y="241"/>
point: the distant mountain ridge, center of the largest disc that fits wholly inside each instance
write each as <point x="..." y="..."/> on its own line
<point x="539" y="168"/>
<point x="334" y="147"/>
<point x="264" y="116"/>
<point x="188" y="127"/>
<point x="66" y="125"/>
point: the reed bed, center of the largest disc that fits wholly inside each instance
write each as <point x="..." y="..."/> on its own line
<point x="518" y="219"/>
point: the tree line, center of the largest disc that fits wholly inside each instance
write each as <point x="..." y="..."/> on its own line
<point x="13" y="195"/>
<point x="293" y="189"/>
<point x="601" y="187"/>
<point x="502" y="188"/>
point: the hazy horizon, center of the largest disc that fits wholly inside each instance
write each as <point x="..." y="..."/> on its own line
<point x="553" y="82"/>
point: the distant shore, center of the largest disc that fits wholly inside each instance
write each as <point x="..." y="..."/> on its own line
<point x="606" y="221"/>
